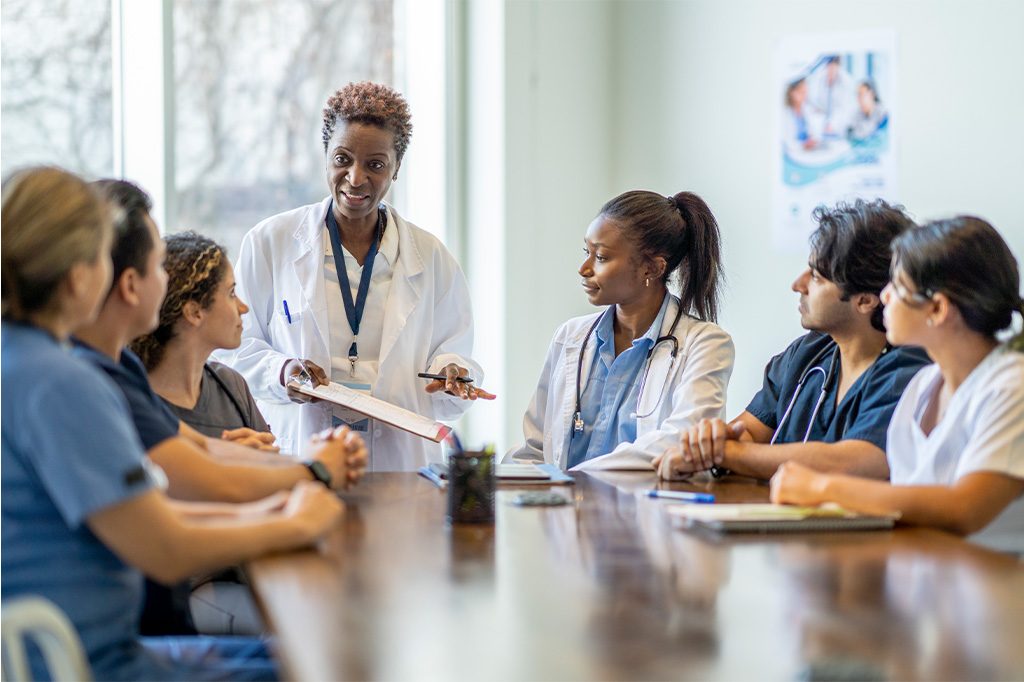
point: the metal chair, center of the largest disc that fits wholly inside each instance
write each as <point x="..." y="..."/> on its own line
<point x="43" y="622"/>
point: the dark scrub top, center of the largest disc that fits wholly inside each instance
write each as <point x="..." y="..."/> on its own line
<point x="153" y="420"/>
<point x="866" y="408"/>
<point x="166" y="610"/>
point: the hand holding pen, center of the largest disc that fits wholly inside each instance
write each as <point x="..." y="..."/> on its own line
<point x="455" y="381"/>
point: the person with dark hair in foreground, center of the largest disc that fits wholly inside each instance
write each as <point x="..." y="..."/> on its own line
<point x="198" y="467"/>
<point x="827" y="399"/>
<point x="956" y="439"/>
<point x="621" y="384"/>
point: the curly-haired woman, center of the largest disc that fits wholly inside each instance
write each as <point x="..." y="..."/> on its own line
<point x="347" y="290"/>
<point x="201" y="313"/>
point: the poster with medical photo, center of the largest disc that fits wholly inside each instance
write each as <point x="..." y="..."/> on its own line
<point x="835" y="99"/>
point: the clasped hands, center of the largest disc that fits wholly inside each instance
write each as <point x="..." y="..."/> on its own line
<point x="702" y="446"/>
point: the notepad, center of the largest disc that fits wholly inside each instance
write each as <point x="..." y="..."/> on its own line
<point x="378" y="409"/>
<point x="773" y="518"/>
<point x="512" y="474"/>
<point x="521" y="472"/>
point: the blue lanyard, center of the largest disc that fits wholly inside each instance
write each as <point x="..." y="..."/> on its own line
<point x="353" y="311"/>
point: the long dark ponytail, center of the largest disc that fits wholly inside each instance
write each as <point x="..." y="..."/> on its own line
<point x="682" y="230"/>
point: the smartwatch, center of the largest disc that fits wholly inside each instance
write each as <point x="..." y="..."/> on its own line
<point x="719" y="472"/>
<point x="319" y="471"/>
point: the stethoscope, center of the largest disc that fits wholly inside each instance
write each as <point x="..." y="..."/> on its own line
<point x="829" y="379"/>
<point x="577" y="419"/>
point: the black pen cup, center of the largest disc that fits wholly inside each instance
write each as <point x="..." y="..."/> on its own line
<point x="471" y="487"/>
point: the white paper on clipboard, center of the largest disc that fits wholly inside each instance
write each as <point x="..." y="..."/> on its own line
<point x="378" y="409"/>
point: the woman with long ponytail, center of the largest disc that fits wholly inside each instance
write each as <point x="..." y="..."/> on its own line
<point x="619" y="385"/>
<point x="956" y="440"/>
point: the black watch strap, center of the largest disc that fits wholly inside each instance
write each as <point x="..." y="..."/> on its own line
<point x="320" y="472"/>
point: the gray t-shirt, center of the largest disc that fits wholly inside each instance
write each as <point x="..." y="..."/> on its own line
<point x="224" y="403"/>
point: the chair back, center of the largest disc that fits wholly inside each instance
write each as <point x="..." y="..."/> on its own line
<point x="43" y="622"/>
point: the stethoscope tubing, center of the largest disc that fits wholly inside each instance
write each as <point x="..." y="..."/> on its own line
<point x="667" y="338"/>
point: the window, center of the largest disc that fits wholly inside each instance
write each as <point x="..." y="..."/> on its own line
<point x="213" y="106"/>
<point x="251" y="78"/>
<point x="56" y="80"/>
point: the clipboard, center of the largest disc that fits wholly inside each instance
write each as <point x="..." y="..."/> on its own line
<point x="773" y="518"/>
<point x="378" y="409"/>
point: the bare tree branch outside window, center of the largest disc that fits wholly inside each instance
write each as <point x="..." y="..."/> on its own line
<point x="251" y="79"/>
<point x="55" y="72"/>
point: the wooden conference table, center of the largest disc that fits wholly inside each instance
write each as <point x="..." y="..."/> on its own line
<point x="604" y="589"/>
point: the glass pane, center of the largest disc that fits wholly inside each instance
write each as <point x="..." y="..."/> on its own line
<point x="251" y="78"/>
<point x="56" y="78"/>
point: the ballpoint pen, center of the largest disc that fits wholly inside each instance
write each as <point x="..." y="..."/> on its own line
<point x="699" y="498"/>
<point x="442" y="377"/>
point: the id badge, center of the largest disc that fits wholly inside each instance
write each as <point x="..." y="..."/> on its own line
<point x="343" y="416"/>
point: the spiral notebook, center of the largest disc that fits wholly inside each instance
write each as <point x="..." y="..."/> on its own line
<point x="773" y="518"/>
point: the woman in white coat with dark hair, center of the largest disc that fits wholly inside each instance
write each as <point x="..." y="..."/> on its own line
<point x="620" y="385"/>
<point x="346" y="290"/>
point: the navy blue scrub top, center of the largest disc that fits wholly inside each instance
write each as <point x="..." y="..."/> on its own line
<point x="153" y="419"/>
<point x="866" y="409"/>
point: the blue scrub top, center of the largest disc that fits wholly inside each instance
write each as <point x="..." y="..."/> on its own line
<point x="153" y="419"/>
<point x="866" y="408"/>
<point x="69" y="451"/>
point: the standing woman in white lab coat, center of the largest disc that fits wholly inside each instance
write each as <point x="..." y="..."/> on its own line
<point x="347" y="290"/>
<point x="620" y="385"/>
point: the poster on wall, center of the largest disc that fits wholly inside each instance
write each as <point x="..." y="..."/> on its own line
<point x="835" y="96"/>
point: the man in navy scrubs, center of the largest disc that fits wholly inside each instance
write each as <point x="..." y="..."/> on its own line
<point x="827" y="399"/>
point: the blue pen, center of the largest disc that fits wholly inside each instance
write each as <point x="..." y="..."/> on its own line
<point x="287" y="314"/>
<point x="699" y="498"/>
<point x="456" y="442"/>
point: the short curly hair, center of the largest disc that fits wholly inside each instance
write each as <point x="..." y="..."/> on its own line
<point x="372" y="103"/>
<point x="195" y="268"/>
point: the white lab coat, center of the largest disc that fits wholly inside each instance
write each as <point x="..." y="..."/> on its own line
<point x="697" y="381"/>
<point x="428" y="323"/>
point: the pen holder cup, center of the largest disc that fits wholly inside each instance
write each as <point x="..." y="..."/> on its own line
<point x="471" y="487"/>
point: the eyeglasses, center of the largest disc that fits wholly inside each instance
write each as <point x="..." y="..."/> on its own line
<point x="911" y="298"/>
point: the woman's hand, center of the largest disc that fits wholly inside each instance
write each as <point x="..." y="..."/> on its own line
<point x="314" y="509"/>
<point x="796" y="484"/>
<point x="344" y="454"/>
<point x="454" y="387"/>
<point x="261" y="440"/>
<point x="296" y="368"/>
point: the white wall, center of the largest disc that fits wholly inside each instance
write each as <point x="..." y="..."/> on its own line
<point x="694" y="112"/>
<point x="558" y="164"/>
<point x="605" y="96"/>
